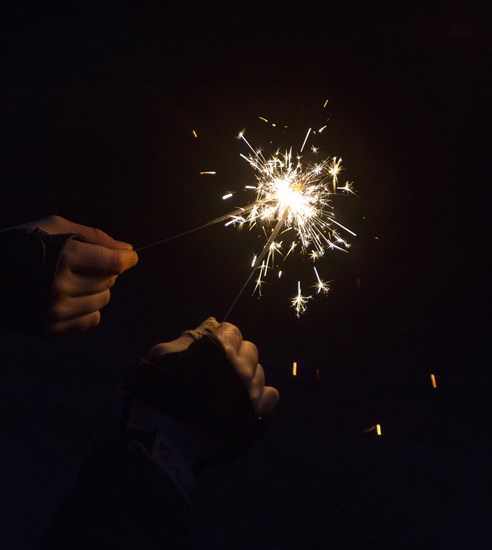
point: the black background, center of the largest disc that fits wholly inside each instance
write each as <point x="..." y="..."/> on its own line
<point x="99" y="101"/>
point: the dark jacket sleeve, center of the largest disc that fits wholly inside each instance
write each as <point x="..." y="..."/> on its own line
<point x="122" y="500"/>
<point x="28" y="263"/>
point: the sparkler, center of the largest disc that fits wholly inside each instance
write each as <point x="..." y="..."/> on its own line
<point x="294" y="198"/>
<point x="293" y="208"/>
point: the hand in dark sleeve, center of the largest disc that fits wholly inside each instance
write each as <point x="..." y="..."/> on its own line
<point x="55" y="276"/>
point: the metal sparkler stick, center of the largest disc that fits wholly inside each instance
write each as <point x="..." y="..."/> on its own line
<point x="258" y="262"/>
<point x="235" y="213"/>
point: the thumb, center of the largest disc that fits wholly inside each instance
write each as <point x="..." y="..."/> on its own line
<point x="98" y="236"/>
<point x="268" y="401"/>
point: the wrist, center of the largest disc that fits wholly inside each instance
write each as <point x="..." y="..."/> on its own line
<point x="179" y="446"/>
<point x="151" y="431"/>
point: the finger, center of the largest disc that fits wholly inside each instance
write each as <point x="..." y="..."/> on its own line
<point x="57" y="224"/>
<point x="185" y="339"/>
<point x="230" y="337"/>
<point x="248" y="351"/>
<point x="97" y="260"/>
<point x="92" y="234"/>
<point x="77" y="306"/>
<point x="268" y="401"/>
<point x="179" y="344"/>
<point x="205" y="327"/>
<point x="257" y="386"/>
<point x="75" y="325"/>
<point x="67" y="283"/>
<point x="98" y="236"/>
<point x="245" y="362"/>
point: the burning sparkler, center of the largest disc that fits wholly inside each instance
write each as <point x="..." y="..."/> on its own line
<point x="294" y="209"/>
<point x="294" y="198"/>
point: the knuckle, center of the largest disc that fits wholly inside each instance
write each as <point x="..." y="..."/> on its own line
<point x="101" y="236"/>
<point x="94" y="320"/>
<point x="118" y="263"/>
<point x="55" y="219"/>
<point x="244" y="371"/>
<point x="106" y="298"/>
<point x="69" y="253"/>
<point x="111" y="281"/>
<point x="253" y="352"/>
<point x="230" y="333"/>
<point x="98" y="232"/>
<point x="159" y="349"/>
<point x="56" y="312"/>
<point x="60" y="287"/>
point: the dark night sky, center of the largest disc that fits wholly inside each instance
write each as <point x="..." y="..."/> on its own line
<point x="98" y="104"/>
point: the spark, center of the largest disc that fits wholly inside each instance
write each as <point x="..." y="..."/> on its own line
<point x="348" y="188"/>
<point x="305" y="139"/>
<point x="195" y="135"/>
<point x="325" y="104"/>
<point x="378" y="429"/>
<point x="227" y="196"/>
<point x="294" y="368"/>
<point x="321" y="286"/>
<point x="210" y="173"/>
<point x="299" y="301"/>
<point x="334" y="169"/>
<point x="263" y="118"/>
<point x="433" y="381"/>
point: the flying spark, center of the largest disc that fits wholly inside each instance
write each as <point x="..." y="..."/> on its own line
<point x="321" y="286"/>
<point x="299" y="301"/>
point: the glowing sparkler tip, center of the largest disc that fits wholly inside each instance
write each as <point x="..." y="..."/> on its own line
<point x="294" y="194"/>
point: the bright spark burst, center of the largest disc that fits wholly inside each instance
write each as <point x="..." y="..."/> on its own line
<point x="299" y="301"/>
<point x="294" y="195"/>
<point x="321" y="286"/>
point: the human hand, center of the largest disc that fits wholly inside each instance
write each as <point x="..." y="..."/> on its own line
<point x="203" y="394"/>
<point x="86" y="271"/>
<point x="242" y="354"/>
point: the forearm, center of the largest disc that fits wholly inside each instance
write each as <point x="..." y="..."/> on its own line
<point x="122" y="499"/>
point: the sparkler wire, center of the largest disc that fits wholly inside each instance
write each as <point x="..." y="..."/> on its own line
<point x="257" y="263"/>
<point x="234" y="213"/>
